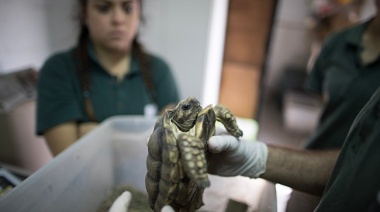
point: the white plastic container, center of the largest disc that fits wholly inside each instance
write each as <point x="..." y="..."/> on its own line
<point x="113" y="154"/>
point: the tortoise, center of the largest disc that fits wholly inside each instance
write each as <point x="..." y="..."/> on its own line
<point x="177" y="154"/>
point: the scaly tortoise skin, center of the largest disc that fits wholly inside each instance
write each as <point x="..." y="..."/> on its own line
<point x="177" y="158"/>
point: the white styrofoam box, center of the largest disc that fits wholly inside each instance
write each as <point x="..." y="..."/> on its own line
<point x="250" y="128"/>
<point x="257" y="194"/>
<point x="113" y="154"/>
<point x="301" y="112"/>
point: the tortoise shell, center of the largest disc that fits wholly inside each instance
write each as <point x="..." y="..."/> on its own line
<point x="177" y="154"/>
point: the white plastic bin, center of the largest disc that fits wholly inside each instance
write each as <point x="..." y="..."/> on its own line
<point x="113" y="154"/>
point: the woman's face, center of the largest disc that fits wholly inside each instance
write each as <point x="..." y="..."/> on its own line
<point x="113" y="24"/>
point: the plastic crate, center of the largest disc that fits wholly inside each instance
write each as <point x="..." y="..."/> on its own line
<point x="113" y="154"/>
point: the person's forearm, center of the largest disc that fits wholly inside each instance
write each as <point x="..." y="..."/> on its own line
<point x="306" y="171"/>
<point x="62" y="136"/>
<point x="86" y="127"/>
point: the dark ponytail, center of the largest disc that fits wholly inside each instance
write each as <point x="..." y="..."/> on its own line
<point x="146" y="70"/>
<point x="83" y="72"/>
<point x="144" y="62"/>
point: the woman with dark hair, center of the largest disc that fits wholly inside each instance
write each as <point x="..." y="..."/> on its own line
<point x="106" y="74"/>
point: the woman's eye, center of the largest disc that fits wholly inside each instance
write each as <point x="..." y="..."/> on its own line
<point x="103" y="8"/>
<point x="128" y="8"/>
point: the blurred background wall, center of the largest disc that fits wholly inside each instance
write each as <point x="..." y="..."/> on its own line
<point x="178" y="31"/>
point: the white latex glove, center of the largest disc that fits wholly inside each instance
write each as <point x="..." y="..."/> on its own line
<point x="232" y="157"/>
<point x="167" y="208"/>
<point x="121" y="204"/>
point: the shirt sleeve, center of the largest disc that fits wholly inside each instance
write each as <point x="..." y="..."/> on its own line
<point x="165" y="83"/>
<point x="56" y="100"/>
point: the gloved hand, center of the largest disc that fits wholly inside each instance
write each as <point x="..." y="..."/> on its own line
<point x="167" y="208"/>
<point x="232" y="157"/>
<point x="121" y="204"/>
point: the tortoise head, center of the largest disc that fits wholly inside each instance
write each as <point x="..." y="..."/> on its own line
<point x="185" y="113"/>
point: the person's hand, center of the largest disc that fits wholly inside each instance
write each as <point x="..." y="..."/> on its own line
<point x="167" y="208"/>
<point x="232" y="156"/>
<point x="121" y="204"/>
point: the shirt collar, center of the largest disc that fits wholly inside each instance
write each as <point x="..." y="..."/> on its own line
<point x="91" y="52"/>
<point x="354" y="37"/>
<point x="134" y="65"/>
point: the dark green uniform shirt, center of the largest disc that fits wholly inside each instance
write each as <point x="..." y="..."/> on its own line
<point x="355" y="181"/>
<point x="60" y="97"/>
<point x="348" y="84"/>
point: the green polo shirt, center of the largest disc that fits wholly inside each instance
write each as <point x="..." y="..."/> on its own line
<point x="355" y="181"/>
<point x="340" y="75"/>
<point x="60" y="98"/>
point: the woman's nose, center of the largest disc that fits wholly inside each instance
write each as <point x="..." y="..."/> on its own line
<point x="118" y="15"/>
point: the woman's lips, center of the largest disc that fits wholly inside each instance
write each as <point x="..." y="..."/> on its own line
<point x="117" y="34"/>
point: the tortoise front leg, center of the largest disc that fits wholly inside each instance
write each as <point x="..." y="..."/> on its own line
<point x="193" y="158"/>
<point x="225" y="116"/>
